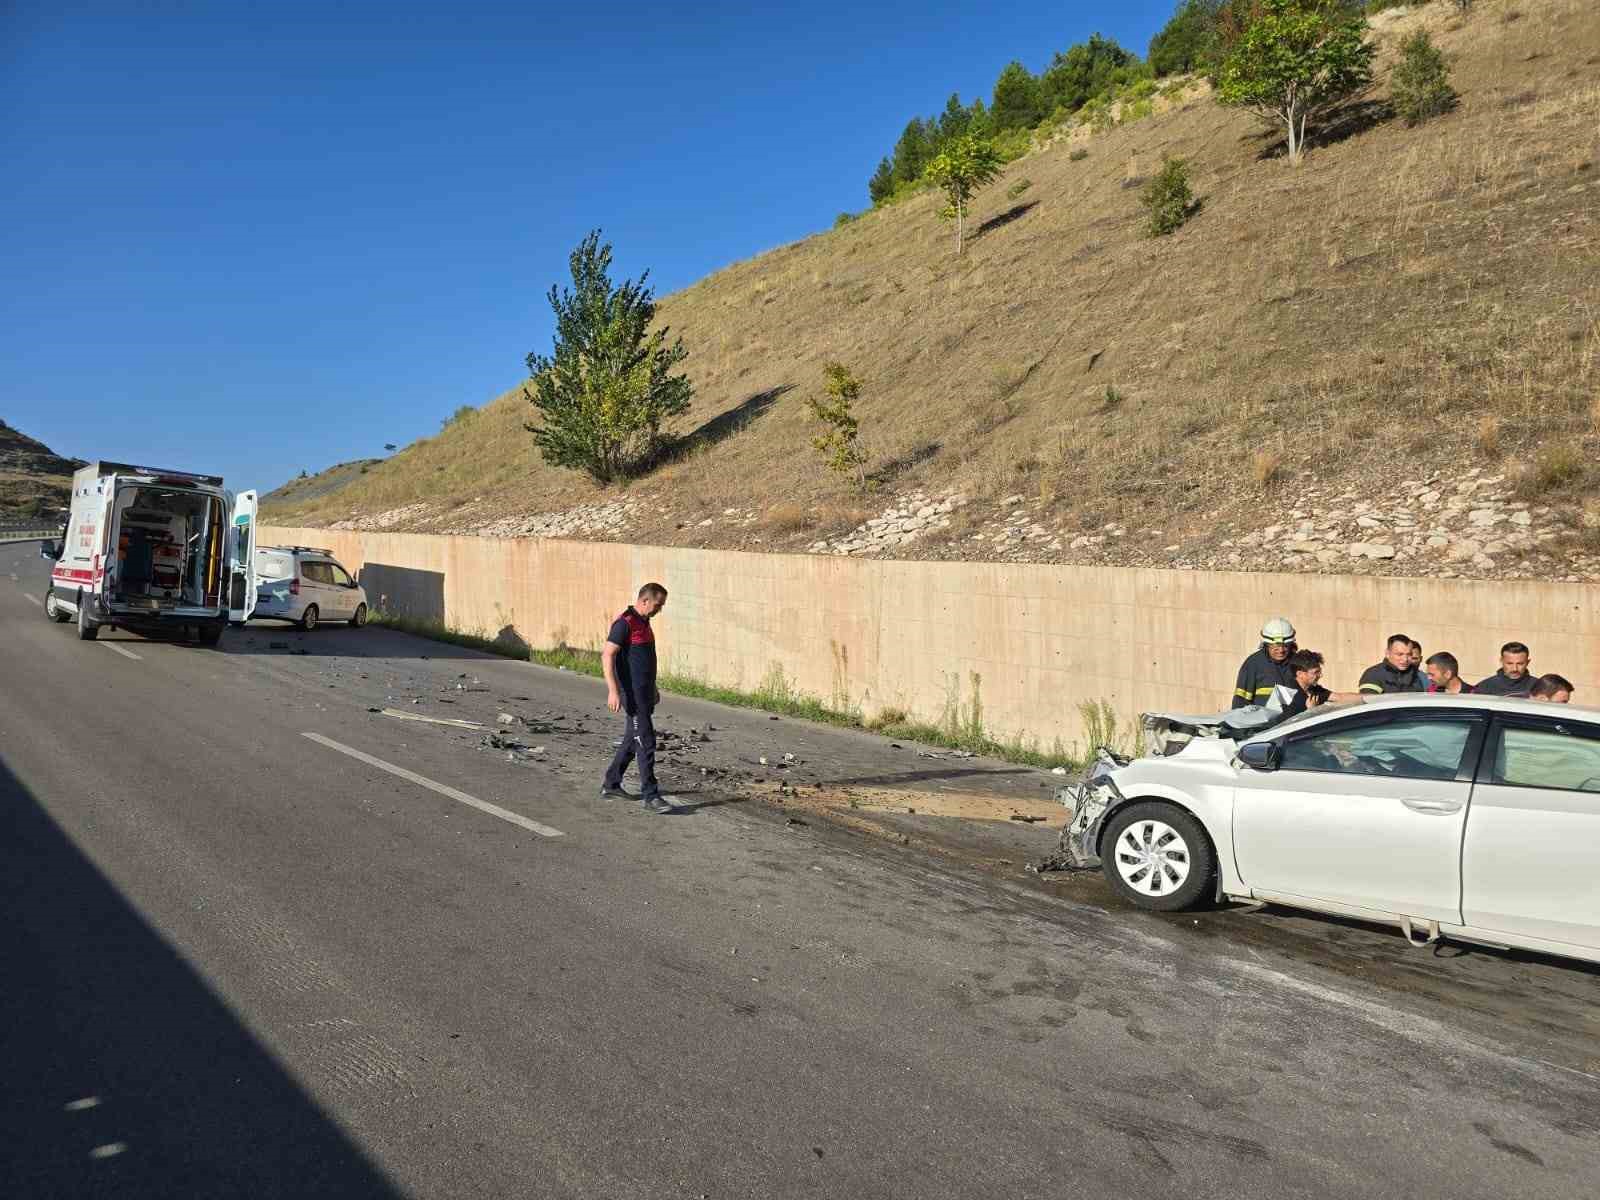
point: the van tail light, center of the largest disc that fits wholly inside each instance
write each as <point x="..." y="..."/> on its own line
<point x="294" y="586"/>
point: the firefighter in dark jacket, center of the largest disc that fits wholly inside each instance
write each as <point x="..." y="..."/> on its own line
<point x="1268" y="667"/>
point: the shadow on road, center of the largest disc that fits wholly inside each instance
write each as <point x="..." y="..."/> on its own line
<point x="125" y="1075"/>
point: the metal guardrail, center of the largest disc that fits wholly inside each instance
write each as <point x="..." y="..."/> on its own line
<point x="27" y="535"/>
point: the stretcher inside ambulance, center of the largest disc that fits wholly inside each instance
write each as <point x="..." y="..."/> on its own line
<point x="147" y="549"/>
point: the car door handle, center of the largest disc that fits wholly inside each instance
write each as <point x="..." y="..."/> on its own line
<point x="1416" y="804"/>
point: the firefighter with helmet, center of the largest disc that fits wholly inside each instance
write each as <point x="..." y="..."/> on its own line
<point x="1268" y="667"/>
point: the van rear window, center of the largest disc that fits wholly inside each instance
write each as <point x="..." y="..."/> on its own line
<point x="274" y="566"/>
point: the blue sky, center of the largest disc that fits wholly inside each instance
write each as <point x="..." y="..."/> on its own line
<point x="254" y="238"/>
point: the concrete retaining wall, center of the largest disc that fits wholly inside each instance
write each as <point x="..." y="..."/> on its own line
<point x="1027" y="643"/>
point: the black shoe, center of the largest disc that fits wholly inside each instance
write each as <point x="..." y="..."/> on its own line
<point x="616" y="793"/>
<point x="656" y="804"/>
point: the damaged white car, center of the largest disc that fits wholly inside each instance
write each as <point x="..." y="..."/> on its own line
<point x="1470" y="817"/>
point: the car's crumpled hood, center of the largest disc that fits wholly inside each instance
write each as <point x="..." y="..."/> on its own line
<point x="1166" y="735"/>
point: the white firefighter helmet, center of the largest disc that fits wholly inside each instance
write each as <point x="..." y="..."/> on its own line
<point x="1277" y="632"/>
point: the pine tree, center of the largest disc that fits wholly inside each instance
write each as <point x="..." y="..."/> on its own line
<point x="881" y="186"/>
<point x="1018" y="99"/>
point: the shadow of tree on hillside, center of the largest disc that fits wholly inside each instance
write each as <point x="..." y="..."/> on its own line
<point x="892" y="468"/>
<point x="1345" y="123"/>
<point x="721" y="427"/>
<point x="1015" y="212"/>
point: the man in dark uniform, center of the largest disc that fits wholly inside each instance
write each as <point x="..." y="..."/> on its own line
<point x="1268" y="667"/>
<point x="1513" y="678"/>
<point x="628" y="662"/>
<point x="1395" y="673"/>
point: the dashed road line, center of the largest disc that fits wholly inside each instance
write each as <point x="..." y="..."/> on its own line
<point x="494" y="810"/>
<point x="30" y="599"/>
<point x="116" y="649"/>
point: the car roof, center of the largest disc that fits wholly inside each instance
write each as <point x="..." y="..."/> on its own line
<point x="1437" y="702"/>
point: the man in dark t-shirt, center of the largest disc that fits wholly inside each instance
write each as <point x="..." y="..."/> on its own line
<point x="628" y="661"/>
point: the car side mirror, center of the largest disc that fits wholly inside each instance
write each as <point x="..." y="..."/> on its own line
<point x="1263" y="756"/>
<point x="49" y="550"/>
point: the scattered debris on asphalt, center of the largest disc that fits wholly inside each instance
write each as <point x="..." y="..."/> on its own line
<point x="1026" y="818"/>
<point x="405" y="716"/>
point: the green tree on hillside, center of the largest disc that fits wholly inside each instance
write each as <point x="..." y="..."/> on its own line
<point x="607" y="394"/>
<point x="1018" y="99"/>
<point x="912" y="151"/>
<point x="839" y="443"/>
<point x="1086" y="71"/>
<point x="961" y="168"/>
<point x="1295" y="62"/>
<point x="1187" y="41"/>
<point x="881" y="186"/>
<point x="954" y="121"/>
<point x="1419" y="85"/>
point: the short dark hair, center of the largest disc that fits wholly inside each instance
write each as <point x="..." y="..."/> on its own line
<point x="1549" y="685"/>
<point x="1397" y="637"/>
<point x="654" y="590"/>
<point x="1446" y="660"/>
<point x="1305" y="660"/>
<point x="1415" y="645"/>
<point x="1515" y="648"/>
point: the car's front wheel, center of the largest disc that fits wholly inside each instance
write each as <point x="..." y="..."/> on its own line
<point x="359" y="618"/>
<point x="53" y="609"/>
<point x="1158" y="856"/>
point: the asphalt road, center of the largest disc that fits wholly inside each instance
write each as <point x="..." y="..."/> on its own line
<point x="242" y="961"/>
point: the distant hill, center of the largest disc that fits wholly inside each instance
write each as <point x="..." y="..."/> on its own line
<point x="315" y="488"/>
<point x="1386" y="360"/>
<point x="35" y="481"/>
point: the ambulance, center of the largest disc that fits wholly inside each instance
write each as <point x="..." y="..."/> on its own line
<point x="154" y="552"/>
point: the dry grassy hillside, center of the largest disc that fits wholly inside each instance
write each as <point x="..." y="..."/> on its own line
<point x="1306" y="373"/>
<point x="35" y="482"/>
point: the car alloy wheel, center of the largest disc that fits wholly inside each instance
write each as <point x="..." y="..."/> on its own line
<point x="1152" y="858"/>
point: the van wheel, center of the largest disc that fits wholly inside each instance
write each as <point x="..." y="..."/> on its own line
<point x="308" y="619"/>
<point x="359" y="618"/>
<point x="1158" y="856"/>
<point x="53" y="609"/>
<point x="87" y="629"/>
<point x="211" y="632"/>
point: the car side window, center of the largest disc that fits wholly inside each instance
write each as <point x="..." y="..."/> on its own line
<point x="1415" y="748"/>
<point x="341" y="576"/>
<point x="316" y="572"/>
<point x="1559" y="756"/>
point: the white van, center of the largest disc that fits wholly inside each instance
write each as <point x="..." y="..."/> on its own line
<point x="153" y="551"/>
<point x="308" y="586"/>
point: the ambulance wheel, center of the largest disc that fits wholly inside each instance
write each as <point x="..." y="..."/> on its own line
<point x="87" y="629"/>
<point x="211" y="632"/>
<point x="53" y="610"/>
<point x="360" y="617"/>
<point x="308" y="619"/>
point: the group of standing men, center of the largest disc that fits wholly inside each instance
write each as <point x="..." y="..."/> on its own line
<point x="1280" y="671"/>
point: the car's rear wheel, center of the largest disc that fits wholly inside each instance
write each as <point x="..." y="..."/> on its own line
<point x="308" y="619"/>
<point x="359" y="617"/>
<point x="211" y="632"/>
<point x="1158" y="856"/>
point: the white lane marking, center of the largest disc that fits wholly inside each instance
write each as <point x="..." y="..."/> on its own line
<point x="109" y="1150"/>
<point x="30" y="599"/>
<point x="119" y="650"/>
<point x="494" y="810"/>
